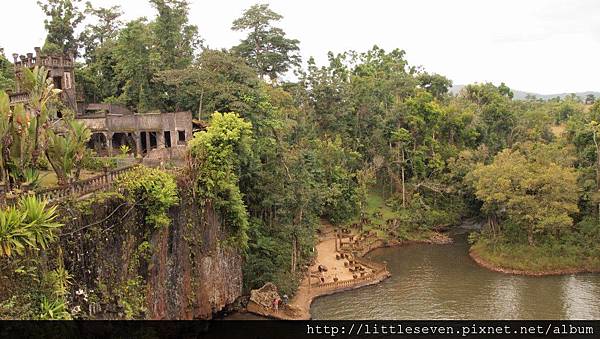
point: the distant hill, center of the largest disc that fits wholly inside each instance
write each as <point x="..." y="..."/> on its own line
<point x="522" y="95"/>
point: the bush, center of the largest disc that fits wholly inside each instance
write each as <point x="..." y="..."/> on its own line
<point x="30" y="225"/>
<point x="153" y="189"/>
<point x="94" y="163"/>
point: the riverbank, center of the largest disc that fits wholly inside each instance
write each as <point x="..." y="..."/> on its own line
<point x="443" y="282"/>
<point x="530" y="261"/>
<point x="338" y="277"/>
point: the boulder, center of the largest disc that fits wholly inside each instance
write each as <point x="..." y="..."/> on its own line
<point x="264" y="296"/>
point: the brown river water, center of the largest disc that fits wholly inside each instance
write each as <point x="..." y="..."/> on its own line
<point x="442" y="282"/>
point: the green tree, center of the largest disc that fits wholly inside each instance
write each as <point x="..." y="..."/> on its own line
<point x="106" y="28"/>
<point x="437" y="85"/>
<point x="133" y="66"/>
<point x="174" y="39"/>
<point x="217" y="82"/>
<point x="7" y="74"/>
<point x="590" y="99"/>
<point x="66" y="152"/>
<point x="29" y="226"/>
<point x="266" y="48"/>
<point x="401" y="138"/>
<point x="539" y="197"/>
<point x="23" y="128"/>
<point x="497" y="119"/>
<point x="63" y="17"/>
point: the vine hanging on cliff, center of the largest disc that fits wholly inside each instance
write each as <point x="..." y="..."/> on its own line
<point x="217" y="154"/>
<point x="153" y="189"/>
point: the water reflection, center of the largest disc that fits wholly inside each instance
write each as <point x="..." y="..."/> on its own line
<point x="442" y="282"/>
<point x="576" y="293"/>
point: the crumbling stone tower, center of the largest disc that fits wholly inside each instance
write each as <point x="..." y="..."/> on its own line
<point x="60" y="69"/>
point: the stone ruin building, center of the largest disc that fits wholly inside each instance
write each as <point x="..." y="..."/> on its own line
<point x="154" y="135"/>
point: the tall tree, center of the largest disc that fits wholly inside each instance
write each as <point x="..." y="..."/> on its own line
<point x="133" y="65"/>
<point x="107" y="25"/>
<point x="266" y="48"/>
<point x="174" y="38"/>
<point x="63" y="17"/>
<point x="437" y="85"/>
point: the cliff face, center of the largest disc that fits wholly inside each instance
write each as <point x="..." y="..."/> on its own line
<point x="123" y="268"/>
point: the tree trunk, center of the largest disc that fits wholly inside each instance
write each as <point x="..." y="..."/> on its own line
<point x="597" y="168"/>
<point x="530" y="237"/>
<point x="403" y="187"/>
<point x="200" y="106"/>
<point x="294" y="253"/>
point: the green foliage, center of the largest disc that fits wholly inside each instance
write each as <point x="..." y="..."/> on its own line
<point x="338" y="166"/>
<point x="218" y="154"/>
<point x="29" y="226"/>
<point x="7" y="75"/>
<point x="550" y="256"/>
<point x="153" y="190"/>
<point x="66" y="152"/>
<point x="437" y="85"/>
<point x="23" y="128"/>
<point x="122" y="61"/>
<point x="268" y="259"/>
<point x="124" y="149"/>
<point x="174" y="38"/>
<point x="63" y="16"/>
<point x="493" y="106"/>
<point x="133" y="65"/>
<point x="53" y="309"/>
<point x="217" y="82"/>
<point x="131" y="298"/>
<point x="540" y="197"/>
<point x="32" y="177"/>
<point x="266" y="48"/>
<point x="92" y="162"/>
<point x="104" y="30"/>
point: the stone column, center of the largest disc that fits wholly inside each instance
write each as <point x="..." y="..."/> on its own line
<point x="173" y="137"/>
<point x="160" y="139"/>
<point x="148" y="146"/>
<point x="109" y="145"/>
<point x="138" y="144"/>
<point x="188" y="135"/>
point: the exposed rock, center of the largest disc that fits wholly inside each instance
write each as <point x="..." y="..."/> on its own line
<point x="177" y="272"/>
<point x="265" y="295"/>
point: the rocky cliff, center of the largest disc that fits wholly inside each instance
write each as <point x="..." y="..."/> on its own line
<point x="124" y="268"/>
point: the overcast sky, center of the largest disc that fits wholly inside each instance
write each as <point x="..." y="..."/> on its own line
<point x="542" y="46"/>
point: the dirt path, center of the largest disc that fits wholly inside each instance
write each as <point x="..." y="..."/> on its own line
<point x="326" y="255"/>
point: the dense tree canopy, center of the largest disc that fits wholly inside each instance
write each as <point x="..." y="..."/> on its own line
<point x="364" y="126"/>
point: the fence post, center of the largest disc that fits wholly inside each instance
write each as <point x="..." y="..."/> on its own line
<point x="105" y="168"/>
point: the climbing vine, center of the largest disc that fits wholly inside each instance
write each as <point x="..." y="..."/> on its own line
<point x="217" y="155"/>
<point x="154" y="190"/>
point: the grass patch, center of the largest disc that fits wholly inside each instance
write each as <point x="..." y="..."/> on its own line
<point x="48" y="178"/>
<point x="378" y="212"/>
<point x="537" y="259"/>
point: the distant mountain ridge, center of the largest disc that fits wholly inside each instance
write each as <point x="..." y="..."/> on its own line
<point x="522" y="94"/>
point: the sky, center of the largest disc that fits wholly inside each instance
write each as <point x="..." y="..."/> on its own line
<point x="541" y="46"/>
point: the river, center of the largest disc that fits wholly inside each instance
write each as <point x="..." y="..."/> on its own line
<point x="442" y="282"/>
